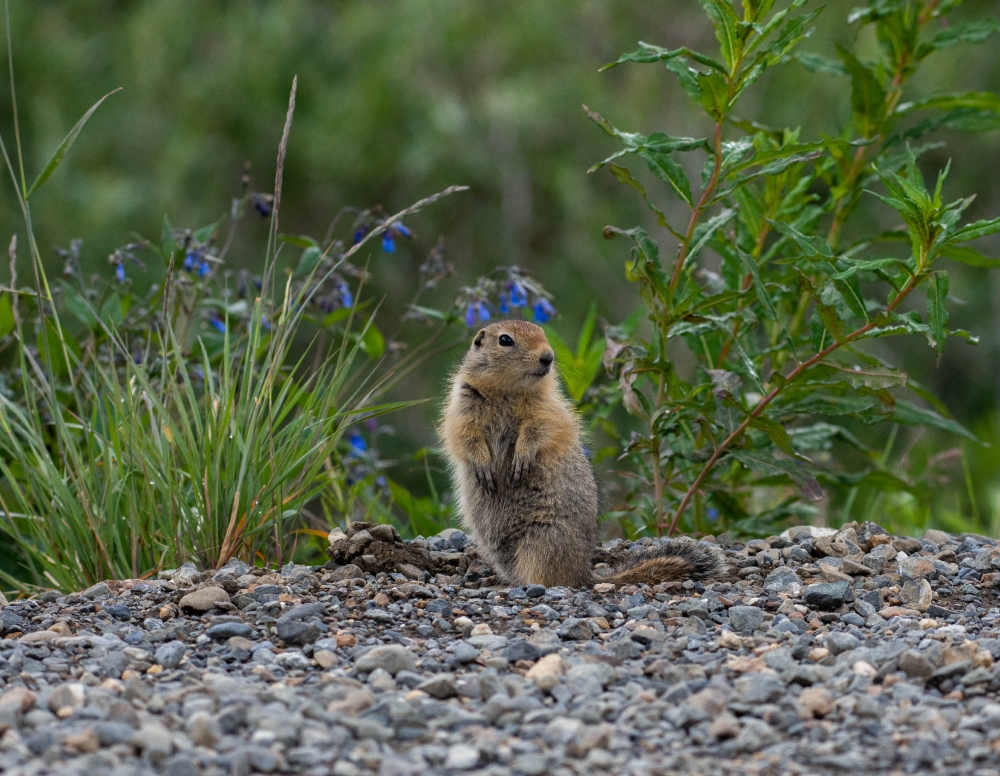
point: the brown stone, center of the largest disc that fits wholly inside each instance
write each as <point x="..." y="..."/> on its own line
<point x="815" y="702"/>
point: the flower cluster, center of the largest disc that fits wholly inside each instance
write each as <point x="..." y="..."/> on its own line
<point x="116" y="260"/>
<point x="514" y="291"/>
<point x="369" y="220"/>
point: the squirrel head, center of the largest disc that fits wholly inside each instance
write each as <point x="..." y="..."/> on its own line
<point x="510" y="357"/>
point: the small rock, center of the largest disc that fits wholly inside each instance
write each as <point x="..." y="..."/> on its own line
<point x="203" y="730"/>
<point x="441" y="687"/>
<point x="350" y="571"/>
<point x="38" y="637"/>
<point x="392" y="658"/>
<point x="19" y="697"/>
<point x="546" y="672"/>
<point x="746" y="619"/>
<point x="297" y="632"/>
<point x="838" y="642"/>
<point x="84" y="742"/>
<point x="69" y="696"/>
<point x="464" y="652"/>
<point x="783" y="580"/>
<point x="111" y="733"/>
<point x="915" y="665"/>
<point x="916" y="594"/>
<point x="725" y="725"/>
<point x="204" y="600"/>
<point x="828" y="595"/>
<point x="226" y="630"/>
<point x="100" y="590"/>
<point x="519" y="649"/>
<point x="815" y="702"/>
<point x="575" y="629"/>
<point x="461" y="757"/>
<point x="170" y="654"/>
<point x="325" y="658"/>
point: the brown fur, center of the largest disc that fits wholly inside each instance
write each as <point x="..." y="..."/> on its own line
<point x="525" y="488"/>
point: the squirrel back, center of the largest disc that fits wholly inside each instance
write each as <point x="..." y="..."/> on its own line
<point x="525" y="488"/>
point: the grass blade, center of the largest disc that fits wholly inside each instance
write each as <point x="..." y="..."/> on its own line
<point x="64" y="147"/>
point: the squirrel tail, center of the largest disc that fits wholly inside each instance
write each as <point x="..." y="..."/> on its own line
<point x="671" y="561"/>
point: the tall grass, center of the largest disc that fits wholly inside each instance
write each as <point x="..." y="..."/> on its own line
<point x="132" y="452"/>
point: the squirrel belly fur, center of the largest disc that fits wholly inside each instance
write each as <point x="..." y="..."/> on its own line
<point x="525" y="489"/>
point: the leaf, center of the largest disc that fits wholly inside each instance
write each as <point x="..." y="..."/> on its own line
<point x="977" y="100"/>
<point x="7" y="322"/>
<point x="815" y="63"/>
<point x="666" y="169"/>
<point x="372" y="342"/>
<point x="111" y="311"/>
<point x="726" y="23"/>
<point x="759" y="288"/>
<point x="911" y="415"/>
<point x="705" y="230"/>
<point x="867" y="94"/>
<point x="204" y="234"/>
<point x="64" y="147"/>
<point x="650" y="53"/>
<point x="937" y="310"/>
<point x="966" y="255"/>
<point x="971" y="31"/>
<point x="622" y="175"/>
<point x="300" y="240"/>
<point x="777" y="434"/>
<point x="977" y="229"/>
<point x="79" y="308"/>
<point x="812" y="246"/>
<point x="768" y="463"/>
<point x="308" y="261"/>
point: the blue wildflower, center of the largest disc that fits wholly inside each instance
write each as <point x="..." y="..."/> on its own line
<point x="400" y="230"/>
<point x="504" y="307"/>
<point x="262" y="206"/>
<point x="388" y="243"/>
<point x="470" y="315"/>
<point x="120" y="272"/>
<point x="518" y="296"/>
<point x="357" y="443"/>
<point x="265" y="323"/>
<point x="204" y="268"/>
<point x="484" y="312"/>
<point x="346" y="297"/>
<point x="381" y="482"/>
<point x="189" y="261"/>
<point x="359" y="233"/>
<point x="542" y="311"/>
<point x="218" y="324"/>
<point x="711" y="514"/>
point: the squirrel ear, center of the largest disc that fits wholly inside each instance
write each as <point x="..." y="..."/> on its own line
<point x="478" y="341"/>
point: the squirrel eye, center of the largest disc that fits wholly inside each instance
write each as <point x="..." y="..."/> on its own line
<point x="506" y="340"/>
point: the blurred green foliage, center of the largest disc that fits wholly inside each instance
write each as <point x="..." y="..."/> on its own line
<point x="400" y="99"/>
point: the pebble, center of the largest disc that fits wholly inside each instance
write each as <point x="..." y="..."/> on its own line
<point x="205" y="599"/>
<point x="777" y="670"/>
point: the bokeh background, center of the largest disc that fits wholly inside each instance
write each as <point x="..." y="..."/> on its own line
<point x="400" y="98"/>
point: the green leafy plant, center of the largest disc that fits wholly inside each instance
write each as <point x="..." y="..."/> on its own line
<point x="772" y="296"/>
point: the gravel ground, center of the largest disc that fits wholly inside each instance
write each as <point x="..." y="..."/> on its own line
<point x="857" y="651"/>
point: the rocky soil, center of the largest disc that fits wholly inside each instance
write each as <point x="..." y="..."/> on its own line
<point x="858" y="651"/>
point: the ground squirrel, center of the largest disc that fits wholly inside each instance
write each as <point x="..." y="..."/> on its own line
<point x="525" y="488"/>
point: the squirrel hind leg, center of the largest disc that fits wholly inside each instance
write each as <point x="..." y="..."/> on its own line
<point x="542" y="563"/>
<point x="672" y="561"/>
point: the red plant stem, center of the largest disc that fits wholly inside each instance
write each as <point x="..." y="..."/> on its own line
<point x="706" y="195"/>
<point x="756" y="412"/>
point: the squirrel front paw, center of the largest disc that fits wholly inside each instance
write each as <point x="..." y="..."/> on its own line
<point x="519" y="470"/>
<point x="484" y="476"/>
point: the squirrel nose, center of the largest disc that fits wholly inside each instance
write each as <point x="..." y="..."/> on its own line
<point x="547" y="358"/>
